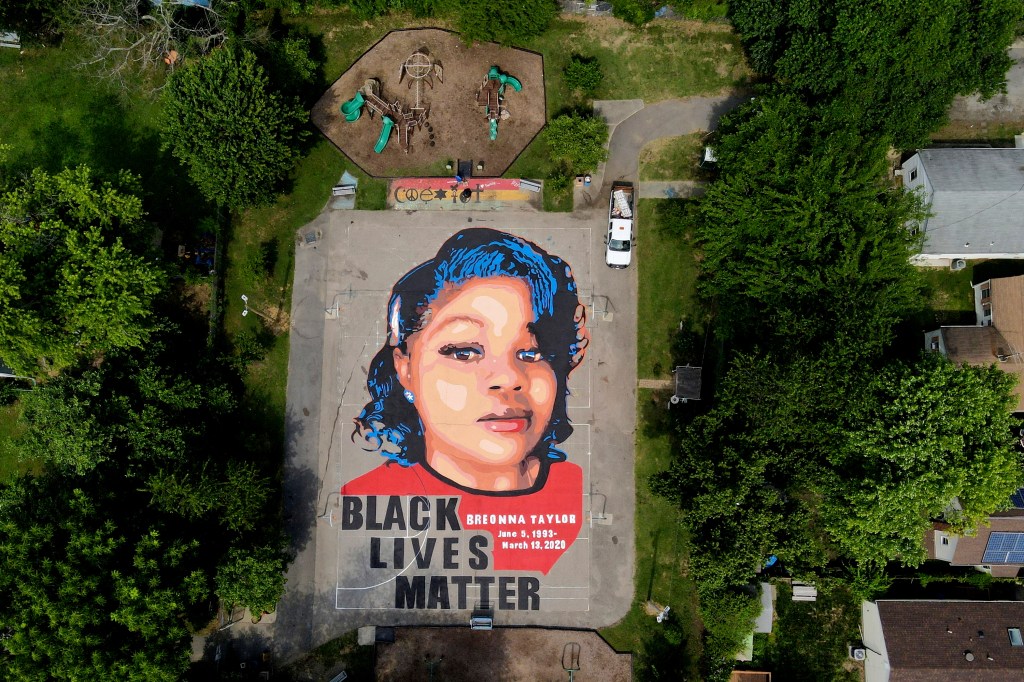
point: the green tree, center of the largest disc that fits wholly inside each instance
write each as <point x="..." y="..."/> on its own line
<point x="237" y="137"/>
<point x="70" y="286"/>
<point x="505" y="22"/>
<point x="636" y="12"/>
<point x="254" y="579"/>
<point x="577" y="142"/>
<point x="583" y="73"/>
<point x="889" y="66"/>
<point x="85" y="595"/>
<point x="38" y="21"/>
<point x="921" y="435"/>
<point x="805" y="244"/>
<point x="109" y="554"/>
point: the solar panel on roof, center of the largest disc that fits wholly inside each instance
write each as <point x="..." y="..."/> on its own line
<point x="1004" y="548"/>
<point x="1017" y="499"/>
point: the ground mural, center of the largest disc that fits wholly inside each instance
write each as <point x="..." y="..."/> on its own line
<point x="462" y="487"/>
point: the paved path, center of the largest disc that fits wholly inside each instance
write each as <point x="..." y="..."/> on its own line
<point x="677" y="189"/>
<point x="632" y="125"/>
<point x="1003" y="108"/>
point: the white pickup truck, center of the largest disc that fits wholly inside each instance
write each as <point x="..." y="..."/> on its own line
<point x="619" y="241"/>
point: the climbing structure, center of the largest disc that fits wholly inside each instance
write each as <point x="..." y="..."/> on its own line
<point x="491" y="96"/>
<point x="421" y="70"/>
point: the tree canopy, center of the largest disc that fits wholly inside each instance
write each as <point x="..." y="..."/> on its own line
<point x="71" y="281"/>
<point x="804" y="242"/>
<point x="237" y="137"/>
<point x="577" y="142"/>
<point x="148" y="494"/>
<point x="889" y="67"/>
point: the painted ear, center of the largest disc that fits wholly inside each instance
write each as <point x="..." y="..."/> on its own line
<point x="579" y="348"/>
<point x="402" y="367"/>
<point x="394" y="321"/>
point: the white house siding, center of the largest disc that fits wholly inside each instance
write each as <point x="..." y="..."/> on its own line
<point x="876" y="661"/>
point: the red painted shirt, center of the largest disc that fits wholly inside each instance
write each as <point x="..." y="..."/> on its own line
<point x="529" y="532"/>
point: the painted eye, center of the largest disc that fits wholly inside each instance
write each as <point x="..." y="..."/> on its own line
<point x="461" y="353"/>
<point x="530" y="355"/>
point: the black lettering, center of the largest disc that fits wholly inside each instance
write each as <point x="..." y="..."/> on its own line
<point x="446" y="513"/>
<point x="506" y="593"/>
<point x="485" y="583"/>
<point x="423" y="557"/>
<point x="394" y="517"/>
<point x="351" y="513"/>
<point x="371" y="514"/>
<point x="411" y="194"/>
<point x="410" y="596"/>
<point x="399" y="553"/>
<point x="529" y="600"/>
<point x="451" y="551"/>
<point x="476" y="544"/>
<point x="375" y="561"/>
<point x="427" y="194"/>
<point x="438" y="593"/>
<point x="461" y="581"/>
<point x="397" y="200"/>
<point x="418" y="520"/>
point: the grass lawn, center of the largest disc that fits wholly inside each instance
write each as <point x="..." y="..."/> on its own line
<point x="10" y="430"/>
<point x="261" y="261"/>
<point x="665" y="59"/>
<point x="808" y="641"/>
<point x="672" y="158"/>
<point x="950" y="298"/>
<point x="670" y="650"/>
<point x="668" y="273"/>
<point x="662" y="552"/>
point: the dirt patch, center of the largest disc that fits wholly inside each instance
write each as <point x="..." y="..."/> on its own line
<point x="458" y="127"/>
<point x="511" y="654"/>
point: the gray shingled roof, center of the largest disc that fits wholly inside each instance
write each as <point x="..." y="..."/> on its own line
<point x="977" y="201"/>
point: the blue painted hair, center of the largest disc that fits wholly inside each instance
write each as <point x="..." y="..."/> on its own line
<point x="389" y="422"/>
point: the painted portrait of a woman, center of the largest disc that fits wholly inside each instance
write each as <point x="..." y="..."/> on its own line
<point x="468" y="394"/>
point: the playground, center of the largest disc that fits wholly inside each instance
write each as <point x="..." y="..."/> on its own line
<point x="420" y="99"/>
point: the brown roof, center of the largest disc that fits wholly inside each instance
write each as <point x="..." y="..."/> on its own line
<point x="970" y="549"/>
<point x="928" y="640"/>
<point x="981" y="346"/>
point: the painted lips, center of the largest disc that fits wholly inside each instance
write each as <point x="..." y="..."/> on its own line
<point x="511" y="422"/>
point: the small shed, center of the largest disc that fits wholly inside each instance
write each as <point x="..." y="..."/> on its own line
<point x="688" y="383"/>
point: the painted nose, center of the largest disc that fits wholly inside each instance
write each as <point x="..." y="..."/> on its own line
<point x="505" y="376"/>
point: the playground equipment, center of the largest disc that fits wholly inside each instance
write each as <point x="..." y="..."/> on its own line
<point x="571" y="659"/>
<point x="353" y="107"/>
<point x="385" y="134"/>
<point x="504" y="79"/>
<point x="421" y="68"/>
<point x="491" y="97"/>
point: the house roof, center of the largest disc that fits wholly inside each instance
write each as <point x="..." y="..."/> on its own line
<point x="970" y="549"/>
<point x="976" y="199"/>
<point x="928" y="640"/>
<point x="981" y="346"/>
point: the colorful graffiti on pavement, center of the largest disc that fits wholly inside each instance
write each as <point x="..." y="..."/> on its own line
<point x="445" y="194"/>
<point x="461" y="493"/>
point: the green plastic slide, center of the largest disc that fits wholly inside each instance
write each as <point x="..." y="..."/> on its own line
<point x="495" y="74"/>
<point x="352" y="108"/>
<point x="385" y="135"/>
<point x="494" y="129"/>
